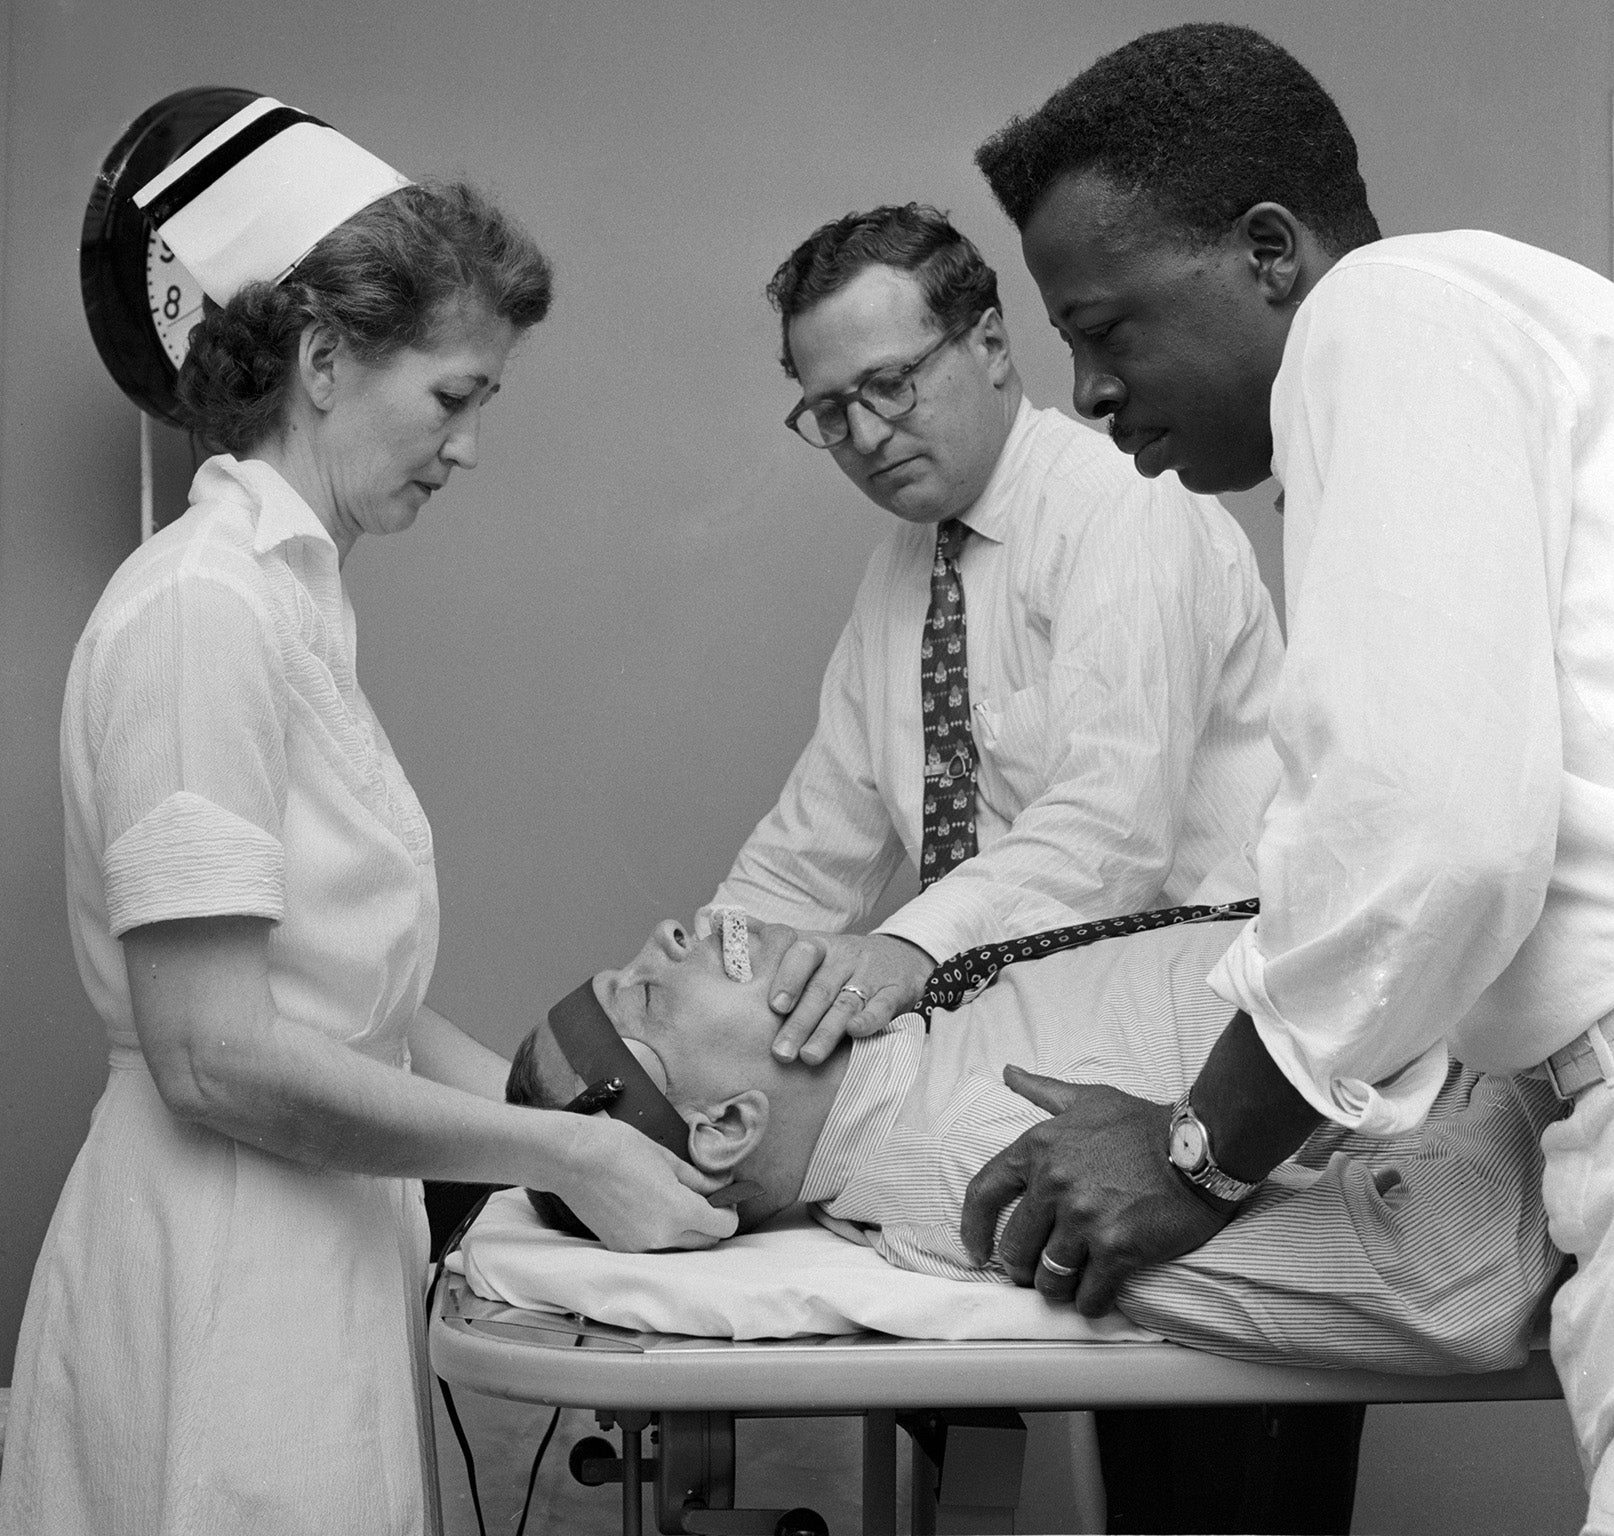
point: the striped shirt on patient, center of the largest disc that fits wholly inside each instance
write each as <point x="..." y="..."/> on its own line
<point x="1426" y="1252"/>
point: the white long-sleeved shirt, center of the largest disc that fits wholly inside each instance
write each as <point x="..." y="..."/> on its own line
<point x="1122" y="652"/>
<point x="1424" y="1253"/>
<point x="1437" y="868"/>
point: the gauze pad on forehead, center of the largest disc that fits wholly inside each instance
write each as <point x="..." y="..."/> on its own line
<point x="736" y="943"/>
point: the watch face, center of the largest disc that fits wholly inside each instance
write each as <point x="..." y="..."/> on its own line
<point x="1187" y="1144"/>
<point x="139" y="301"/>
<point x="174" y="297"/>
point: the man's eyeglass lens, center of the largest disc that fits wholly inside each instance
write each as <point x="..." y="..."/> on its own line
<point x="887" y="395"/>
<point x="890" y="394"/>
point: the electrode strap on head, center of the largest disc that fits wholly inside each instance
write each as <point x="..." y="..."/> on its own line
<point x="589" y="1041"/>
<point x="620" y="1086"/>
<point x="597" y="1096"/>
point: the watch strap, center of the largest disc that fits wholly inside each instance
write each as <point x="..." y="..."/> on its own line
<point x="1226" y="1192"/>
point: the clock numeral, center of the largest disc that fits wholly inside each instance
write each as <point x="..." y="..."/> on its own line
<point x="163" y="253"/>
<point x="171" y="304"/>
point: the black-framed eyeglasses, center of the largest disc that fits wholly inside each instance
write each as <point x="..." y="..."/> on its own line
<point x="889" y="392"/>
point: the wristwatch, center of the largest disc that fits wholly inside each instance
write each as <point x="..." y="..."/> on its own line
<point x="1188" y="1149"/>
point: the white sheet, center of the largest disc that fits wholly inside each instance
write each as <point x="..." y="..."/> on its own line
<point x="789" y="1279"/>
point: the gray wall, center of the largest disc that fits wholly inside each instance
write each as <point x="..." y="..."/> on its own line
<point x="598" y="654"/>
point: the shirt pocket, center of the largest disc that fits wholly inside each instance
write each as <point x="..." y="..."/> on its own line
<point x="1011" y="735"/>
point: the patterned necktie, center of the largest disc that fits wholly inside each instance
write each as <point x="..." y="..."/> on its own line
<point x="969" y="974"/>
<point x="944" y="684"/>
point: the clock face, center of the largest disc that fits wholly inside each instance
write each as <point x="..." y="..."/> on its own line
<point x="1187" y="1144"/>
<point x="174" y="298"/>
<point x="140" y="302"/>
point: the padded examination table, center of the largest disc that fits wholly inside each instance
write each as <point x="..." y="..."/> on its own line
<point x="955" y="1397"/>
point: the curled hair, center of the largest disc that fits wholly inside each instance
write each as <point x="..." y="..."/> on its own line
<point x="525" y="1085"/>
<point x="388" y="278"/>
<point x="1204" y="121"/>
<point x="953" y="276"/>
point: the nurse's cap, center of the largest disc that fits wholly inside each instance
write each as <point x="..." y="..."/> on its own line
<point x="250" y="199"/>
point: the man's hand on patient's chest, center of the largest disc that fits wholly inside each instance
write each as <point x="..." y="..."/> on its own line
<point x="1096" y="1194"/>
<point x="832" y="984"/>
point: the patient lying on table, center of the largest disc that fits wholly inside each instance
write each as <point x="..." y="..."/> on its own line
<point x="1425" y="1253"/>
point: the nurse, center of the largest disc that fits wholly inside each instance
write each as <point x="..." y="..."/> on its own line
<point x="224" y="1331"/>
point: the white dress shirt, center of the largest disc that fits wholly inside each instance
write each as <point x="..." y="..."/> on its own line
<point x="1437" y="867"/>
<point x="1122" y="652"/>
<point x="1426" y="1253"/>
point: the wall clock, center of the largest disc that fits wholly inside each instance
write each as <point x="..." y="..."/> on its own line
<point x="139" y="300"/>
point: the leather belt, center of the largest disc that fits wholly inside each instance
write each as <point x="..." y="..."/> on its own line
<point x="1586" y="1060"/>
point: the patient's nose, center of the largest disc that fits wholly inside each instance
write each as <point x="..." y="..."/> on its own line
<point x="672" y="939"/>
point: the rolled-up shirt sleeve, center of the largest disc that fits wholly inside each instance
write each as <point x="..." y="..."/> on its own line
<point x="1407" y="853"/>
<point x="186" y="734"/>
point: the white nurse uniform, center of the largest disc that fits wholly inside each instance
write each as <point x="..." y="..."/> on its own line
<point x="217" y="1339"/>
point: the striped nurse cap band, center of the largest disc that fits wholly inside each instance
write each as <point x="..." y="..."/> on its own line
<point x="250" y="199"/>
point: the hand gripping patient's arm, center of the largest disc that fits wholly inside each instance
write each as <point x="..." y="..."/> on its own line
<point x="1426" y="1253"/>
<point x="1423" y="1253"/>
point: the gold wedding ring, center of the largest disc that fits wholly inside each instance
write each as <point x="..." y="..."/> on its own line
<point x="1054" y="1268"/>
<point x="857" y="992"/>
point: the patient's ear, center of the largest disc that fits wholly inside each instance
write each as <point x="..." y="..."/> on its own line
<point x="722" y="1137"/>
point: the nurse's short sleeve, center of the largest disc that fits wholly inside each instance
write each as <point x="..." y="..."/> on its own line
<point x="187" y="727"/>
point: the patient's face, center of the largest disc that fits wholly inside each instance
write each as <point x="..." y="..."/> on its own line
<point x="710" y="1036"/>
<point x="706" y="1041"/>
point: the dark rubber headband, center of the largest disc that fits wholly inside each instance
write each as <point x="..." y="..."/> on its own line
<point x="590" y="1043"/>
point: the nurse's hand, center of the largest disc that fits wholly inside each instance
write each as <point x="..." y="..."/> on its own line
<point x="1097" y="1196"/>
<point x="828" y="985"/>
<point x="636" y="1196"/>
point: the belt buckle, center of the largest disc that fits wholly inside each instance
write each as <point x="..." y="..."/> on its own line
<point x="1550" y="1069"/>
<point x="1592" y="1042"/>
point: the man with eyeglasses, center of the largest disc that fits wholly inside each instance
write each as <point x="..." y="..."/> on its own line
<point x="1051" y="699"/>
<point x="1051" y="696"/>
